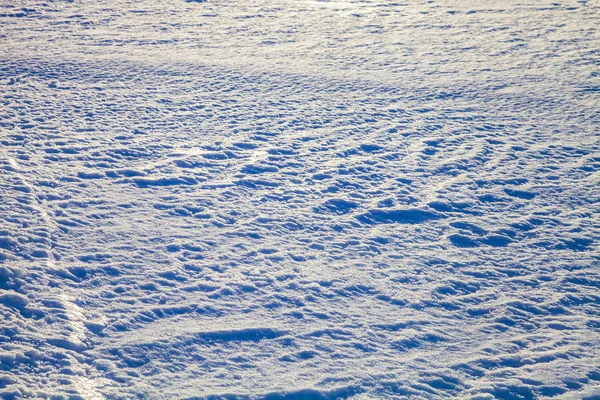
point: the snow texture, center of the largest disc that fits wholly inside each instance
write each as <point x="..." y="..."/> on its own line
<point x="294" y="199"/>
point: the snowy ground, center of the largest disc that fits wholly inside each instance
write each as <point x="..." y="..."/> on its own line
<point x="289" y="199"/>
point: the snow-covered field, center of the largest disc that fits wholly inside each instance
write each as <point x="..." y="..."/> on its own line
<point x="293" y="199"/>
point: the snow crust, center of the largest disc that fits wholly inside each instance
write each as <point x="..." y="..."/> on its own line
<point x="299" y="199"/>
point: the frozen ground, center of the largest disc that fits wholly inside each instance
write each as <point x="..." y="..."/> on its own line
<point x="287" y="199"/>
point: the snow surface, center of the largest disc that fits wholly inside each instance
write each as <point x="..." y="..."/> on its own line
<point x="293" y="199"/>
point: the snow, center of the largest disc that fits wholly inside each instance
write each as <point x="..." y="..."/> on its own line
<point x="299" y="199"/>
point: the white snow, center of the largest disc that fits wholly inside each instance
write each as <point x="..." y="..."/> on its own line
<point x="299" y="199"/>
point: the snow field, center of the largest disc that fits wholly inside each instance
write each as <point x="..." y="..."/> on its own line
<point x="295" y="200"/>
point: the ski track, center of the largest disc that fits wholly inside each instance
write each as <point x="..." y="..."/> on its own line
<point x="74" y="314"/>
<point x="299" y="200"/>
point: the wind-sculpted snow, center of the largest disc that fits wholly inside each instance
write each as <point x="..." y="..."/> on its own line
<point x="299" y="200"/>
